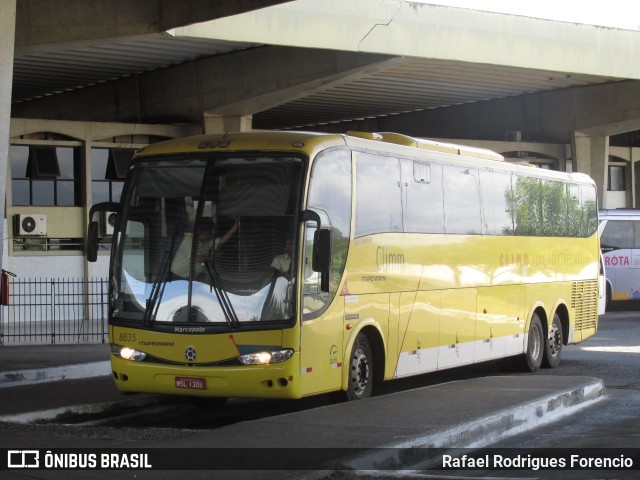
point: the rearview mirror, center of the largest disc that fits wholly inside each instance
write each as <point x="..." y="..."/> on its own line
<point x="93" y="230"/>
<point x="321" y="250"/>
<point x="92" y="241"/>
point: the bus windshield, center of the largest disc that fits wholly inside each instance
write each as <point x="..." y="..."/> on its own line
<point x="208" y="241"/>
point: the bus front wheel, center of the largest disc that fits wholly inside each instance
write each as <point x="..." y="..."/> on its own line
<point x="361" y="366"/>
<point x="532" y="358"/>
<point x="553" y="344"/>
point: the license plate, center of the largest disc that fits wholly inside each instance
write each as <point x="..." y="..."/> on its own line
<point x="191" y="383"/>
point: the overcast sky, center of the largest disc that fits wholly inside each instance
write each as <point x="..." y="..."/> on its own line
<point x="609" y="13"/>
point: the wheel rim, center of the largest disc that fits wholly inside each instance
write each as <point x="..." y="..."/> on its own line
<point x="555" y="341"/>
<point x="535" y="344"/>
<point x="359" y="372"/>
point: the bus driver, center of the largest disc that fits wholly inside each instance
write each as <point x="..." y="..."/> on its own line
<point x="182" y="261"/>
<point x="282" y="263"/>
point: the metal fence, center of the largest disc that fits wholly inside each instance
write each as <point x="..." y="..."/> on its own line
<point x="55" y="311"/>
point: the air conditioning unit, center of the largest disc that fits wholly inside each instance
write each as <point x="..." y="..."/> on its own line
<point x="30" y="224"/>
<point x="108" y="222"/>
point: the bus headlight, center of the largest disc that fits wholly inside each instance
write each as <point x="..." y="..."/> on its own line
<point x="265" y="358"/>
<point x="127" y="353"/>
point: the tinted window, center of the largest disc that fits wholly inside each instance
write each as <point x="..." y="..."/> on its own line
<point x="378" y="203"/>
<point x="330" y="190"/>
<point x="330" y="195"/>
<point x="525" y="201"/>
<point x="590" y="210"/>
<point x="422" y="197"/>
<point x="618" y="234"/>
<point x="461" y="200"/>
<point x="558" y="209"/>
<point x="496" y="193"/>
<point x="45" y="176"/>
<point x="107" y="173"/>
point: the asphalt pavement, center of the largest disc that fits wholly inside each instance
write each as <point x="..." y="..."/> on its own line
<point x="468" y="413"/>
<point x="30" y="364"/>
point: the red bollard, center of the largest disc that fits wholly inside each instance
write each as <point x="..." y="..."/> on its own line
<point x="4" y="287"/>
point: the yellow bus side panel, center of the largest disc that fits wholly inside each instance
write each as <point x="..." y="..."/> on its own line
<point x="418" y="334"/>
<point x="393" y="340"/>
<point x="457" y="327"/>
<point x="362" y="311"/>
<point x="500" y="322"/>
<point x="474" y="295"/>
<point x="321" y="351"/>
<point x="540" y="295"/>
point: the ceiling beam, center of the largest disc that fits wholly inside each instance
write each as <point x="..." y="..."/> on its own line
<point x="237" y="84"/>
<point x="43" y="23"/>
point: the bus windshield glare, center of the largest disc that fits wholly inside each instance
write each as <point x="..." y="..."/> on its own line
<point x="207" y="241"/>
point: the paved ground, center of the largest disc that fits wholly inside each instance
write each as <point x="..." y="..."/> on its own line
<point x="395" y="431"/>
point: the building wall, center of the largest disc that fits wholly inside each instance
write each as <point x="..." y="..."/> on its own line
<point x="60" y="252"/>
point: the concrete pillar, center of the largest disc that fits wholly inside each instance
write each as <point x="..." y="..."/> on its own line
<point x="591" y="156"/>
<point x="218" y="124"/>
<point x="7" y="35"/>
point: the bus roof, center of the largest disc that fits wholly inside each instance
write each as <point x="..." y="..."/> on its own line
<point x="275" y="140"/>
<point x="408" y="141"/>
<point x="310" y="143"/>
<point x="254" y="140"/>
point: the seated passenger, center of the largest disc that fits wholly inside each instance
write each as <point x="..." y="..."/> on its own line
<point x="282" y="263"/>
<point x="278" y="303"/>
<point x="181" y="263"/>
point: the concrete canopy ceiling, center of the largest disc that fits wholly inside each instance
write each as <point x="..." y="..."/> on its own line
<point x="402" y="84"/>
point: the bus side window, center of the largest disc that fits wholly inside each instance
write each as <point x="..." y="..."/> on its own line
<point x="497" y="212"/>
<point x="422" y="197"/>
<point x="636" y="236"/>
<point x="461" y="200"/>
<point x="618" y="234"/>
<point x="330" y="197"/>
<point x="378" y="176"/>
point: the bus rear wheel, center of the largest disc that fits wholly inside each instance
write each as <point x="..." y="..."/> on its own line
<point x="553" y="344"/>
<point x="360" y="382"/>
<point x="531" y="360"/>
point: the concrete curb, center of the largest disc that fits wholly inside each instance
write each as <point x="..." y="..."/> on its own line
<point x="41" y="375"/>
<point x="483" y="431"/>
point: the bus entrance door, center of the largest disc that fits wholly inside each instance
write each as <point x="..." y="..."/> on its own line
<point x="321" y="351"/>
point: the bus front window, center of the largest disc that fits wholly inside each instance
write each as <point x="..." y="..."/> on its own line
<point x="200" y="238"/>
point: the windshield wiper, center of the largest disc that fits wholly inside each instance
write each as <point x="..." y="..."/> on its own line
<point x="223" y="298"/>
<point x="157" y="290"/>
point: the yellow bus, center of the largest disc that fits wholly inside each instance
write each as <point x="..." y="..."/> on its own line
<point x="327" y="263"/>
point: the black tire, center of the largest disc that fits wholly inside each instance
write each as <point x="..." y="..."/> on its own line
<point x="360" y="366"/>
<point x="553" y="344"/>
<point x="531" y="360"/>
